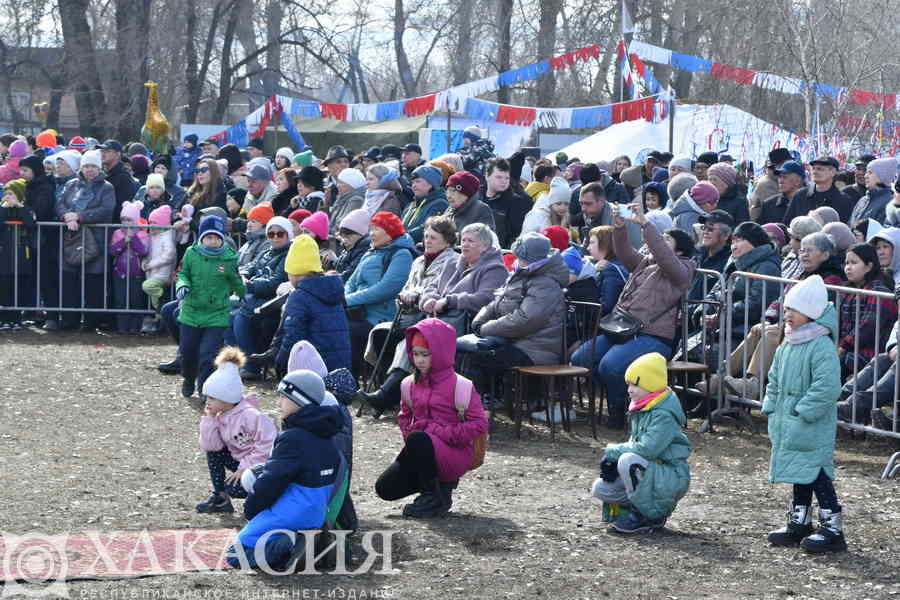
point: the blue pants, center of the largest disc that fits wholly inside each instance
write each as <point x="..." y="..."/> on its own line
<point x="198" y="348"/>
<point x="169" y="314"/>
<point x="610" y="361"/>
<point x="242" y="333"/>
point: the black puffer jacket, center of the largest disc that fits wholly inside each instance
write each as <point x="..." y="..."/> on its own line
<point x="264" y="275"/>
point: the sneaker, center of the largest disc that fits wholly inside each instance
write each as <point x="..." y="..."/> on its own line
<point x="635" y="522"/>
<point x="150" y="325"/>
<point x="187" y="387"/>
<point x="215" y="504"/>
<point x="5" y="326"/>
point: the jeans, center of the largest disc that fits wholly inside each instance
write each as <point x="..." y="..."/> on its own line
<point x="610" y="361"/>
<point x="243" y="333"/>
<point x="198" y="349"/>
<point x="169" y="315"/>
<point x="867" y="386"/>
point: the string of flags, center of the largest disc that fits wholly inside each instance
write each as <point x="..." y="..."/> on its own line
<point x="463" y="99"/>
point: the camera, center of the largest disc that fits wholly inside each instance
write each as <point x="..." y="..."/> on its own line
<point x="625" y="212"/>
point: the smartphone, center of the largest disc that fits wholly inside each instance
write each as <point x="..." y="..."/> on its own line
<point x="625" y="212"/>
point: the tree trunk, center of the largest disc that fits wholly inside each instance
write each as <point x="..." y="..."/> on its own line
<point x="56" y="95"/>
<point x="132" y="42"/>
<point x="191" y="77"/>
<point x="546" y="88"/>
<point x="273" y="53"/>
<point x="505" y="45"/>
<point x="256" y="92"/>
<point x="225" y="75"/>
<point x="462" y="58"/>
<point x="403" y="66"/>
<point x="690" y="40"/>
<point x="81" y="65"/>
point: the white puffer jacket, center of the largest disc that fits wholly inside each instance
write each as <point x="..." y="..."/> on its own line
<point x="160" y="262"/>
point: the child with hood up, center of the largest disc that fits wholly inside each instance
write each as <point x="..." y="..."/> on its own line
<point x="801" y="404"/>
<point x="17" y="227"/>
<point x="233" y="432"/>
<point x="649" y="473"/>
<point x="441" y="416"/>
<point x="129" y="245"/>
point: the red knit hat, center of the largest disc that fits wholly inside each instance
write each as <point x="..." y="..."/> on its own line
<point x="464" y="182"/>
<point x="419" y="340"/>
<point x="262" y="212"/>
<point x="559" y="237"/>
<point x="299" y="214"/>
<point x="390" y="222"/>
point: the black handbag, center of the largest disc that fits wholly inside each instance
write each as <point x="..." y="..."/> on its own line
<point x="620" y="326"/>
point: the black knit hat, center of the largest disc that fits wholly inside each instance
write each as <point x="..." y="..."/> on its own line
<point x="590" y="173"/>
<point x="312" y="177"/>
<point x="753" y="233"/>
<point x="708" y="158"/>
<point x="684" y="244"/>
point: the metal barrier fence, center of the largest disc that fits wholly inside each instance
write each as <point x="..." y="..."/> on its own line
<point x="769" y="335"/>
<point x="47" y="284"/>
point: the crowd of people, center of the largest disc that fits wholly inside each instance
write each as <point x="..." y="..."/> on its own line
<point x="380" y="261"/>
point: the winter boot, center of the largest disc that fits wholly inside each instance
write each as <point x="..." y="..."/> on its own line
<point x="634" y="522"/>
<point x="188" y="386"/>
<point x="216" y="503"/>
<point x="437" y="506"/>
<point x="798" y="527"/>
<point x="830" y="535"/>
<point x="173" y="367"/>
<point x="386" y="396"/>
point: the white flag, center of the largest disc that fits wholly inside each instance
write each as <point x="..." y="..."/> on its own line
<point x="627" y="21"/>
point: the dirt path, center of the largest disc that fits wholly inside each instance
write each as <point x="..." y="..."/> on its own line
<point x="94" y="438"/>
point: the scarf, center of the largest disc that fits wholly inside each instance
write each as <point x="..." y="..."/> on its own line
<point x="429" y="258"/>
<point x="648" y="401"/>
<point x="210" y="252"/>
<point x="804" y="333"/>
<point x="374" y="200"/>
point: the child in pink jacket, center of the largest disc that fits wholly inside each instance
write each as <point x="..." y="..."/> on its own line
<point x="234" y="434"/>
<point x="10" y="169"/>
<point x="439" y="445"/>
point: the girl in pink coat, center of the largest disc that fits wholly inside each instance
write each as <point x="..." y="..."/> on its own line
<point x="233" y="432"/>
<point x="438" y="447"/>
<point x="10" y="169"/>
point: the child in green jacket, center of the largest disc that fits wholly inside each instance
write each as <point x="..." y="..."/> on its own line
<point x="207" y="278"/>
<point x="801" y="404"/>
<point x="649" y="473"/>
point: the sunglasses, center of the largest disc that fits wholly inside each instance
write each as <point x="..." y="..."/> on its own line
<point x="276" y="234"/>
<point x="203" y="170"/>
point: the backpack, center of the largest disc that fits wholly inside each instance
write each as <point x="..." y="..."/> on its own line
<point x="462" y="394"/>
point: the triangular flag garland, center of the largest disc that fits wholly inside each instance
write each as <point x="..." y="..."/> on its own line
<point x="628" y="88"/>
<point x="769" y="81"/>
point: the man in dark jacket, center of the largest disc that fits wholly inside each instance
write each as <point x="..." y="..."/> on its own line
<point x="304" y="468"/>
<point x="613" y="191"/>
<point x="40" y="197"/>
<point x="715" y="250"/>
<point x="410" y="160"/>
<point x="821" y="193"/>
<point x="596" y="210"/>
<point x="859" y="189"/>
<point x="124" y="184"/>
<point x="791" y="178"/>
<point x="509" y="208"/>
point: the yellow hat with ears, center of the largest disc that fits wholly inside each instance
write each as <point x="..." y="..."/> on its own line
<point x="648" y="372"/>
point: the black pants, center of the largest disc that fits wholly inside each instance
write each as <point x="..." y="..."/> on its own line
<point x="359" y="337"/>
<point x="217" y="462"/>
<point x="482" y="367"/>
<point x="72" y="298"/>
<point x="411" y="471"/>
<point x="823" y="489"/>
<point x="8" y="288"/>
<point x="198" y="348"/>
<point x="129" y="295"/>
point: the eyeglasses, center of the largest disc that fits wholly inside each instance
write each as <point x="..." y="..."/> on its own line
<point x="276" y="234"/>
<point x="805" y="250"/>
<point x="203" y="170"/>
<point x="708" y="228"/>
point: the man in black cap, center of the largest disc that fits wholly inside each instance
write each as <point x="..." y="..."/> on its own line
<point x="858" y="189"/>
<point x="336" y="160"/>
<point x="767" y="185"/>
<point x="256" y="148"/>
<point x="653" y="160"/>
<point x="410" y="160"/>
<point x="715" y="249"/>
<point x="822" y="193"/>
<point x="791" y="178"/>
<point x="704" y="162"/>
<point x="124" y="184"/>
<point x="371" y="157"/>
<point x="391" y="152"/>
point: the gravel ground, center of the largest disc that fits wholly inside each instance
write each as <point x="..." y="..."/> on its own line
<point x="94" y="438"/>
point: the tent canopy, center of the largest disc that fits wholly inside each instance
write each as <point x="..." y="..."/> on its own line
<point x="358" y="136"/>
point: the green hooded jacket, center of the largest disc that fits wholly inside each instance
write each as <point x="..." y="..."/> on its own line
<point x="211" y="280"/>
<point x="801" y="403"/>
<point x="657" y="436"/>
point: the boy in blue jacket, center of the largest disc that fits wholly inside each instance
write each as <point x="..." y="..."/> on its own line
<point x="298" y="480"/>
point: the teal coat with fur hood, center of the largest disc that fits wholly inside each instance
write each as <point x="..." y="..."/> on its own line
<point x="801" y="403"/>
<point x="657" y="436"/>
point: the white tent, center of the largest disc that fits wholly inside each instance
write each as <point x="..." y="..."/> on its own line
<point x="719" y="127"/>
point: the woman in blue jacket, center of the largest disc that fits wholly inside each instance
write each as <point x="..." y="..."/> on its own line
<point x="372" y="289"/>
<point x="611" y="273"/>
<point x="315" y="309"/>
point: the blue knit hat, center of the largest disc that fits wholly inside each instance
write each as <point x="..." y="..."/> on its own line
<point x="430" y="174"/>
<point x="573" y="260"/>
<point x="212" y="224"/>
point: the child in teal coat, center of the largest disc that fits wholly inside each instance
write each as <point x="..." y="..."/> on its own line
<point x="649" y="473"/>
<point x="801" y="404"/>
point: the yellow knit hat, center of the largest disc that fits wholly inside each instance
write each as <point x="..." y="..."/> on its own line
<point x="303" y="257"/>
<point x="648" y="372"/>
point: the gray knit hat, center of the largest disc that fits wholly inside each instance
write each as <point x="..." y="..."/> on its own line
<point x="803" y="226"/>
<point x="531" y="247"/>
<point x="885" y="169"/>
<point x="679" y="184"/>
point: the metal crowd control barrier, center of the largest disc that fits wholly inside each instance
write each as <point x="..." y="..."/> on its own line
<point x="770" y="333"/>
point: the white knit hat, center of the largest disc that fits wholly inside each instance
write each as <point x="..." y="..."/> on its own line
<point x="808" y="297"/>
<point x="352" y="177"/>
<point x="283" y="223"/>
<point x="92" y="157"/>
<point x="559" y="191"/>
<point x="71" y="158"/>
<point x="682" y="161"/>
<point x="286" y="153"/>
<point x="225" y="384"/>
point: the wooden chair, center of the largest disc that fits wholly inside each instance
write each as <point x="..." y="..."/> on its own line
<point x="549" y="374"/>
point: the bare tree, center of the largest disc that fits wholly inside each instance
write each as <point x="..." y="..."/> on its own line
<point x="81" y="62"/>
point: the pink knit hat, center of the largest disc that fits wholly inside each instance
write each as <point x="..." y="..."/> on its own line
<point x="318" y="224"/>
<point x="18" y="149"/>
<point x="705" y="193"/>
<point x="161" y="215"/>
<point x="723" y="171"/>
<point x="132" y="210"/>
